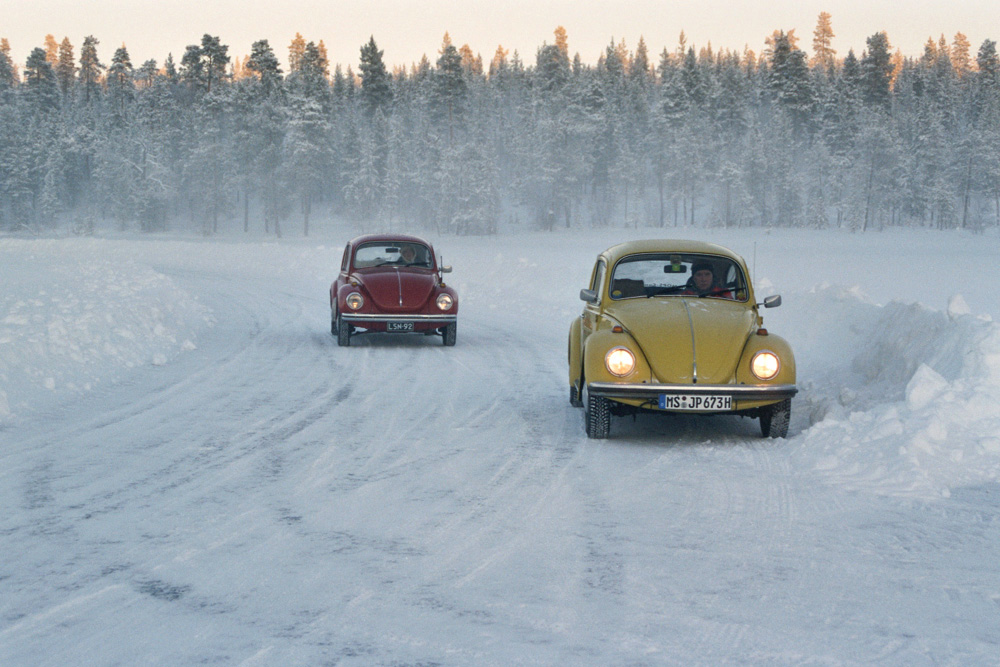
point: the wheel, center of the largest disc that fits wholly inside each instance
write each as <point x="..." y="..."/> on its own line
<point x="574" y="397"/>
<point x="333" y="322"/>
<point x="597" y="417"/>
<point x="343" y="333"/>
<point x="774" y="419"/>
<point x="449" y="333"/>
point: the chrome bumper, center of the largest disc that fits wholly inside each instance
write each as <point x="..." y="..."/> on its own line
<point x="647" y="391"/>
<point x="432" y="319"/>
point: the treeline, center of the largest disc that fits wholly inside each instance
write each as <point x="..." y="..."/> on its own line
<point x="690" y="136"/>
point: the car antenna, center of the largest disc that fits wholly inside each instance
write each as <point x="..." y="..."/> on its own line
<point x="753" y="271"/>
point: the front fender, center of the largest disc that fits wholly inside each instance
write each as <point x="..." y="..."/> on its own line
<point x="776" y="344"/>
<point x="596" y="348"/>
<point x="347" y="288"/>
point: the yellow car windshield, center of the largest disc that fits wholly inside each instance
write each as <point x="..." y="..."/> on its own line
<point x="678" y="274"/>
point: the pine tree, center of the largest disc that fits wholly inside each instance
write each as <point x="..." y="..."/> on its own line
<point x="988" y="64"/>
<point x="90" y="69"/>
<point x="66" y="67"/>
<point x="146" y="75"/>
<point x="961" y="59"/>
<point x="51" y="50"/>
<point x="295" y="51"/>
<point x="876" y="71"/>
<point x="6" y="70"/>
<point x="450" y="89"/>
<point x="376" y="93"/>
<point x="551" y="70"/>
<point x="639" y="70"/>
<point x="264" y="63"/>
<point x="788" y="81"/>
<point x="205" y="65"/>
<point x="824" y="55"/>
<point x="120" y="84"/>
<point x="40" y="81"/>
<point x="306" y="151"/>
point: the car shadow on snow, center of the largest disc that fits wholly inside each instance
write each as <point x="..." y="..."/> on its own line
<point x="678" y="429"/>
<point x="392" y="340"/>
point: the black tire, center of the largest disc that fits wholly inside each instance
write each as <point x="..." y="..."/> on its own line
<point x="574" y="397"/>
<point x="774" y="419"/>
<point x="449" y="333"/>
<point x="597" y="417"/>
<point x="343" y="333"/>
<point x="333" y="322"/>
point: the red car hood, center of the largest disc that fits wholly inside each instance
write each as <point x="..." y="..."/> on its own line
<point x="398" y="290"/>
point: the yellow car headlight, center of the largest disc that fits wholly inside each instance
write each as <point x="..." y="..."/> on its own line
<point x="619" y="361"/>
<point x="355" y="301"/>
<point x="765" y="365"/>
<point x="444" y="301"/>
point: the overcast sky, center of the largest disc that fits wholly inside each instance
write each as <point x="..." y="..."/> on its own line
<point x="406" y="29"/>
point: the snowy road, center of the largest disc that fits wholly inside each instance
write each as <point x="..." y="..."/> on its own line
<point x="266" y="497"/>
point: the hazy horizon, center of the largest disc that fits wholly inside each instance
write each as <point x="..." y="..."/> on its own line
<point x="406" y="30"/>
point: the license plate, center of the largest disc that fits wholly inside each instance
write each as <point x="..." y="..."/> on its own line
<point x="696" y="402"/>
<point x="399" y="326"/>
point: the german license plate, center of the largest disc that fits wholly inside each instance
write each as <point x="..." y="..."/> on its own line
<point x="399" y="326"/>
<point x="696" y="402"/>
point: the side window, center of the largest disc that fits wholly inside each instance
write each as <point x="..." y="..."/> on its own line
<point x="347" y="257"/>
<point x="599" y="278"/>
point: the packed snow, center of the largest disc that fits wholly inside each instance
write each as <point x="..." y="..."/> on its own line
<point x="193" y="471"/>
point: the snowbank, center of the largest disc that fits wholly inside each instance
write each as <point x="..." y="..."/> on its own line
<point x="73" y="317"/>
<point x="908" y="403"/>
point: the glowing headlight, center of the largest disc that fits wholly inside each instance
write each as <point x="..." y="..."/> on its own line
<point x="445" y="301"/>
<point x="765" y="364"/>
<point x="355" y="301"/>
<point x="619" y="361"/>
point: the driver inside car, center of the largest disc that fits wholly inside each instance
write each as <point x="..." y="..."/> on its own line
<point x="702" y="282"/>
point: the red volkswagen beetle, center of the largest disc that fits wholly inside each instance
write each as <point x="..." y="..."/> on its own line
<point x="392" y="283"/>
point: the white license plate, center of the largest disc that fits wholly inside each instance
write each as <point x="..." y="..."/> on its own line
<point x="399" y="326"/>
<point x="696" y="402"/>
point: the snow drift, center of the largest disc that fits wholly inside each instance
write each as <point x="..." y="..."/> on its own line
<point x="73" y="318"/>
<point x="906" y="404"/>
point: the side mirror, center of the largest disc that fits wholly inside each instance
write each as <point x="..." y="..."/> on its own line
<point x="772" y="301"/>
<point x="445" y="269"/>
<point x="588" y="295"/>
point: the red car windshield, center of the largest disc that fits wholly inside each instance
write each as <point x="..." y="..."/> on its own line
<point x="403" y="253"/>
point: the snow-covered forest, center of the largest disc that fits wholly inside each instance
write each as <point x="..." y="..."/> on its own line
<point x="464" y="144"/>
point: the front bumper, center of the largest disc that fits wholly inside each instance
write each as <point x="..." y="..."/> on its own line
<point x="362" y="319"/>
<point x="652" y="392"/>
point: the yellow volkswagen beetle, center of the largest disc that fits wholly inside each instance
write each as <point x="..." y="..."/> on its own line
<point x="674" y="326"/>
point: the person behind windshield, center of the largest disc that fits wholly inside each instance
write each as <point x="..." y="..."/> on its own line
<point x="702" y="282"/>
<point x="407" y="253"/>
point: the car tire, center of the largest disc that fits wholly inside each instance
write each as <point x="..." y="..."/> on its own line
<point x="574" y="397"/>
<point x="774" y="419"/>
<point x="597" y="417"/>
<point x="449" y="334"/>
<point x="343" y="333"/>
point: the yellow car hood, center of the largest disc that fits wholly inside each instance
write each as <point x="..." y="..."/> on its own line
<point x="684" y="338"/>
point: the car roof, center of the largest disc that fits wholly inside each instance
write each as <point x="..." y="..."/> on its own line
<point x="616" y="252"/>
<point x="391" y="238"/>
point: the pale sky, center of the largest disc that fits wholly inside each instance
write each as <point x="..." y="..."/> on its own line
<point x="406" y="29"/>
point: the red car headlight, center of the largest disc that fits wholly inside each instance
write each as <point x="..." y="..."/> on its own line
<point x="355" y="300"/>
<point x="445" y="302"/>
